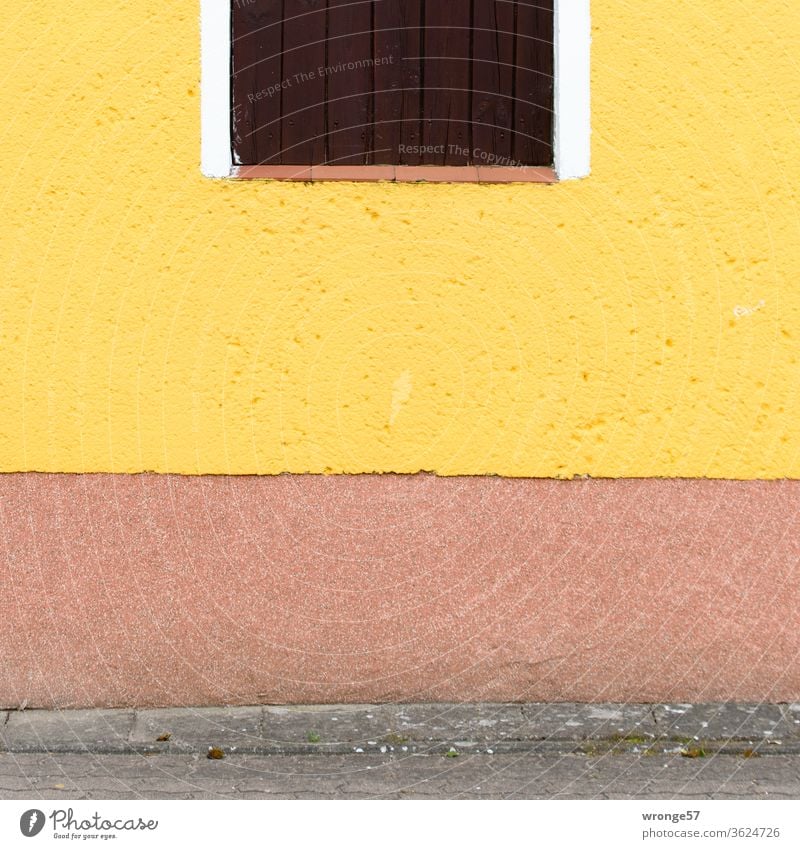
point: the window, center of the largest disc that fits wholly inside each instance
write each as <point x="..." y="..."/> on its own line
<point x="457" y="90"/>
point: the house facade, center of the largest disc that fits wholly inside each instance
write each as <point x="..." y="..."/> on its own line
<point x="366" y="440"/>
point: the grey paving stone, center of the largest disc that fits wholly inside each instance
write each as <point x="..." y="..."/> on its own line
<point x="407" y="729"/>
<point x="67" y="731"/>
<point x="479" y="723"/>
<point x="726" y="722"/>
<point x="792" y="715"/>
<point x="373" y="726"/>
<point x="324" y="725"/>
<point x="369" y="776"/>
<point x="589" y="722"/>
<point x="198" y="729"/>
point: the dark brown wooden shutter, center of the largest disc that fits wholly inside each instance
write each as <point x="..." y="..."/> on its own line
<point x="397" y="82"/>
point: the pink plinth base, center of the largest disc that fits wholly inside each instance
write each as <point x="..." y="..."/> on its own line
<point x="158" y="590"/>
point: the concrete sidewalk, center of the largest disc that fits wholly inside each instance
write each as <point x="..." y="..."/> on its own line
<point x="405" y="751"/>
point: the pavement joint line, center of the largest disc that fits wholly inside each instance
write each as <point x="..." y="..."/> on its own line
<point x="444" y="750"/>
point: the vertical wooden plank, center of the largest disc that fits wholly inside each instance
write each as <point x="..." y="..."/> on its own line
<point x="398" y="78"/>
<point x="256" y="89"/>
<point x="349" y="76"/>
<point x="446" y="82"/>
<point x="303" y="124"/>
<point x="492" y="81"/>
<point x="533" y="106"/>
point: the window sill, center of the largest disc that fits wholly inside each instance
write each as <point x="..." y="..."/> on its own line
<point x="397" y="174"/>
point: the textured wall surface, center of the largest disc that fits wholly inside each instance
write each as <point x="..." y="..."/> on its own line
<point x="645" y="321"/>
<point x="141" y="590"/>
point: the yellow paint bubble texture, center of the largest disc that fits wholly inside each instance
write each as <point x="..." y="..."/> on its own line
<point x="642" y="322"/>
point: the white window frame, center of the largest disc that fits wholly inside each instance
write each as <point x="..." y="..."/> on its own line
<point x="572" y="134"/>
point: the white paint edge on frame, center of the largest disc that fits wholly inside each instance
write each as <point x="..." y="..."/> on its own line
<point x="573" y="119"/>
<point x="215" y="88"/>
<point x="572" y="134"/>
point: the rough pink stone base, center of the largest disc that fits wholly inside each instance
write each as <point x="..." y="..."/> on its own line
<point x="149" y="590"/>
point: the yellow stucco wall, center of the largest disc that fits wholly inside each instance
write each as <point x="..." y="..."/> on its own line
<point x="645" y="321"/>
